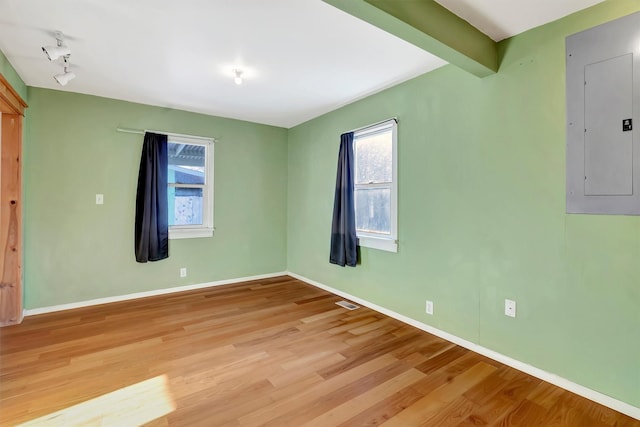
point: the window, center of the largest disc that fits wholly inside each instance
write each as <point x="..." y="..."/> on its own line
<point x="190" y="192"/>
<point x="375" y="186"/>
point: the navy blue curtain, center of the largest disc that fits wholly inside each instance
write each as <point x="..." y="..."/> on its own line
<point x="152" y="207"/>
<point x="344" y="249"/>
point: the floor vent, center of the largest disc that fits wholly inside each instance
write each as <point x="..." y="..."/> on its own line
<point x="347" y="305"/>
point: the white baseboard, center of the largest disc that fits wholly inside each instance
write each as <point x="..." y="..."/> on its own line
<point x="106" y="300"/>
<point x="554" y="379"/>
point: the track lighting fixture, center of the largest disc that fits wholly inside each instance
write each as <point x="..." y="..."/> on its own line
<point x="60" y="50"/>
<point x="238" y="78"/>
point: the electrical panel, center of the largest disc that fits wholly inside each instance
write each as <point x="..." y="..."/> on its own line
<point x="603" y="101"/>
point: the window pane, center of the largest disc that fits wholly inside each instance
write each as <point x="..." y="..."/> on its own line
<point x="186" y="163"/>
<point x="185" y="206"/>
<point x="373" y="210"/>
<point x="373" y="158"/>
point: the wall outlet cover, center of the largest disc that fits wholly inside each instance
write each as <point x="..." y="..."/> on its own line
<point x="429" y="307"/>
<point x="509" y="308"/>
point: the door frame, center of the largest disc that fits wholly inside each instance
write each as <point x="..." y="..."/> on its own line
<point x="12" y="109"/>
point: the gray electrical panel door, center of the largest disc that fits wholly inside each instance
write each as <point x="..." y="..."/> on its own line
<point x="603" y="156"/>
<point x="608" y="151"/>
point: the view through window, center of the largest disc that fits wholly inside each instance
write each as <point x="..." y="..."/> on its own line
<point x="190" y="192"/>
<point x="375" y="185"/>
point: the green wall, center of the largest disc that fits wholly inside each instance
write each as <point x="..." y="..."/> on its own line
<point x="482" y="216"/>
<point x="9" y="73"/>
<point x="76" y="250"/>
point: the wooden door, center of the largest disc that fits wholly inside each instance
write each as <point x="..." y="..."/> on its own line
<point x="11" y="116"/>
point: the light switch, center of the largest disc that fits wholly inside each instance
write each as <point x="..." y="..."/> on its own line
<point x="99" y="199"/>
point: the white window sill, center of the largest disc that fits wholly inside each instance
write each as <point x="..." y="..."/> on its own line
<point x="389" y="245"/>
<point x="189" y="233"/>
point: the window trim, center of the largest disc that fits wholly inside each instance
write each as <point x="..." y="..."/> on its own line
<point x="207" y="228"/>
<point x="374" y="240"/>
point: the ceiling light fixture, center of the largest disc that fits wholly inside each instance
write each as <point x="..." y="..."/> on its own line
<point x="60" y="50"/>
<point x="238" y="78"/>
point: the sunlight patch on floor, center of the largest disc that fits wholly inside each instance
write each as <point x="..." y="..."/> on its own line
<point x="129" y="406"/>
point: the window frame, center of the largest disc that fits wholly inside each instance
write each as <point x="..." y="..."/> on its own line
<point x="206" y="229"/>
<point x="375" y="240"/>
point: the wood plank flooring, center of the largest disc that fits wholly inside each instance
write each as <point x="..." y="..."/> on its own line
<point x="273" y="352"/>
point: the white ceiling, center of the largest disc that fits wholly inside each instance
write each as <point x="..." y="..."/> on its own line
<point x="301" y="58"/>
<point x="501" y="19"/>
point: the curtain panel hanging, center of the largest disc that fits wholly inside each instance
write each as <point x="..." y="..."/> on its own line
<point x="344" y="249"/>
<point x="152" y="216"/>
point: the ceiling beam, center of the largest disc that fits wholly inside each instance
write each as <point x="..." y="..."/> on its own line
<point x="428" y="25"/>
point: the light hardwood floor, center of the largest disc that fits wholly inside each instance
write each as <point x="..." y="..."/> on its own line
<point x="273" y="352"/>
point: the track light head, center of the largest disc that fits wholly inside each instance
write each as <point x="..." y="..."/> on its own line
<point x="55" y="52"/>
<point x="65" y="78"/>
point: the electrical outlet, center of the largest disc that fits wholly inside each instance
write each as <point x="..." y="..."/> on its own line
<point x="183" y="272"/>
<point x="429" y="307"/>
<point x="509" y="308"/>
<point x="99" y="199"/>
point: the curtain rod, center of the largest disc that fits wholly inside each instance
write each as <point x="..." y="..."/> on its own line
<point x="142" y="132"/>
<point x="395" y="119"/>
